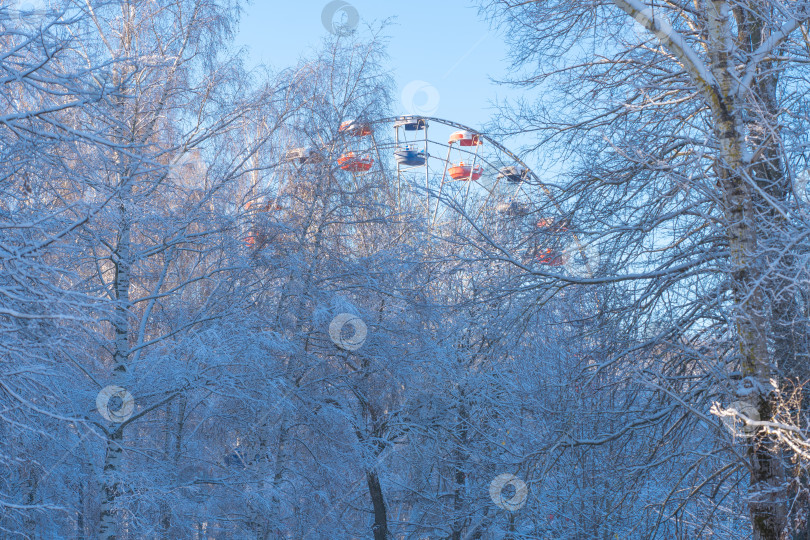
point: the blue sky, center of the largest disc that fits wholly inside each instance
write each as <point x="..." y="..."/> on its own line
<point x="442" y="52"/>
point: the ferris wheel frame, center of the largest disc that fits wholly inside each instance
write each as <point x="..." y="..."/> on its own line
<point x="359" y="163"/>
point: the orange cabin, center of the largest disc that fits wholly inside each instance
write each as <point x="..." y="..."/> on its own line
<point x="262" y="206"/>
<point x="465" y="172"/>
<point x="355" y="128"/>
<point x="544" y="223"/>
<point x="465" y="138"/>
<point x="354" y="163"/>
<point x="256" y="234"/>
<point x="549" y="256"/>
<point x="551" y="225"/>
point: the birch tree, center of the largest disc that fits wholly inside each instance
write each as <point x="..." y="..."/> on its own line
<point x="151" y="255"/>
<point x="41" y="313"/>
<point x="682" y="130"/>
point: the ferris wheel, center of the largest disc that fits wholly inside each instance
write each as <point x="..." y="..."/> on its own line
<point x="454" y="175"/>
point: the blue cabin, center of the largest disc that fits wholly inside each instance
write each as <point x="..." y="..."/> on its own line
<point x="411" y="123"/>
<point x="408" y="155"/>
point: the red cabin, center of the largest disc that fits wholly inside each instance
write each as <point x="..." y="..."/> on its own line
<point x="355" y="128"/>
<point x="465" y="138"/>
<point x="256" y="234"/>
<point x="549" y="256"/>
<point x="263" y="206"/>
<point x="552" y="225"/>
<point x="354" y="163"/>
<point x="465" y="172"/>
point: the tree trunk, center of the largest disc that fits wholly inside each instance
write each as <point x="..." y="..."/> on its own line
<point x="80" y="513"/>
<point x="278" y="475"/>
<point x="767" y="506"/>
<point x="111" y="483"/>
<point x="380" y="527"/>
<point x="107" y="525"/>
<point x="460" y="476"/>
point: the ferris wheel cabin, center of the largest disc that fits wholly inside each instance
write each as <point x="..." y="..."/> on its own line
<point x="551" y="225"/>
<point x="465" y="172"/>
<point x="257" y="235"/>
<point x="549" y="257"/>
<point x="302" y="155"/>
<point x="411" y="123"/>
<point x="512" y="208"/>
<point x="354" y="163"/>
<point x="355" y="128"/>
<point x="465" y="138"/>
<point x="513" y="174"/>
<point x="410" y="155"/>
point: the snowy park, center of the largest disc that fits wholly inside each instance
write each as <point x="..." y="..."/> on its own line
<point x="457" y="270"/>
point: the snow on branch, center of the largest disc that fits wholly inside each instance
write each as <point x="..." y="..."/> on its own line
<point x="767" y="46"/>
<point x="673" y="40"/>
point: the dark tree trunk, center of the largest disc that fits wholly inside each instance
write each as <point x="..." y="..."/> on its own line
<point x="380" y="527"/>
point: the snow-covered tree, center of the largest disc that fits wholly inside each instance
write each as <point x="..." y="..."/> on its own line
<point x="680" y="128"/>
